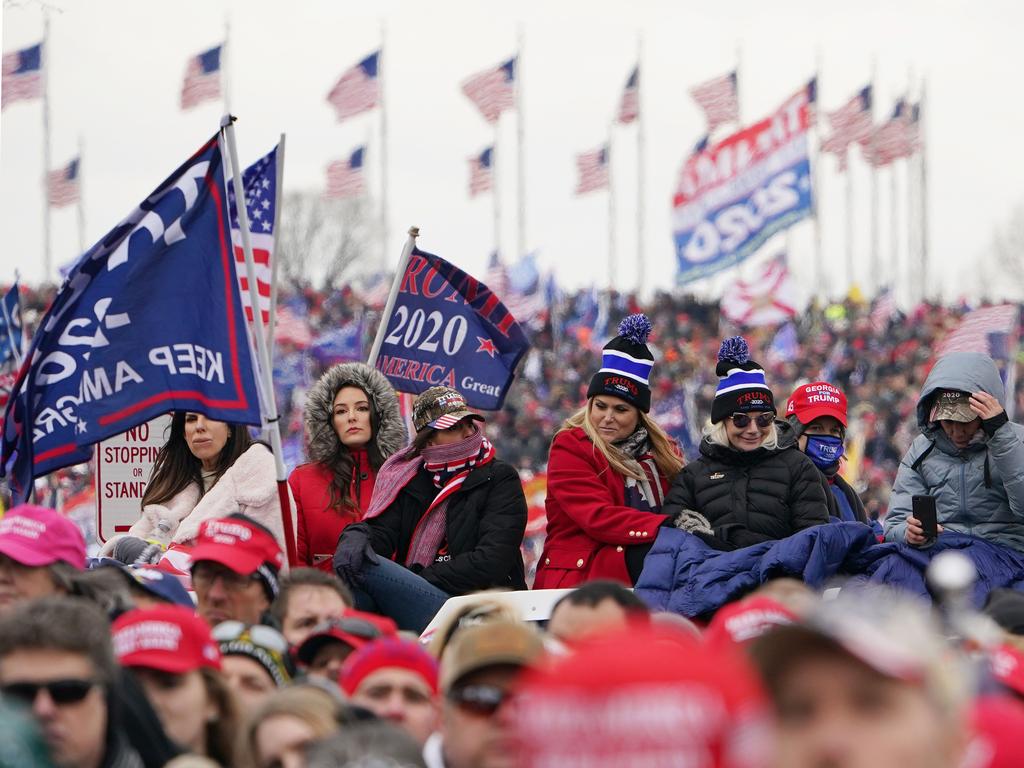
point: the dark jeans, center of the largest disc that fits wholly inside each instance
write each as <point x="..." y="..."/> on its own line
<point x="393" y="590"/>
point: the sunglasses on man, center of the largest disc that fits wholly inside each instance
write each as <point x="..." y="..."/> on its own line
<point x="69" y="691"/>
<point x="483" y="700"/>
<point x="742" y="420"/>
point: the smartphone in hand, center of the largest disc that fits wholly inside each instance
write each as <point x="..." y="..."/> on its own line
<point x="924" y="513"/>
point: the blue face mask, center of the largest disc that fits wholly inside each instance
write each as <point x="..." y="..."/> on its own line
<point x="824" y="450"/>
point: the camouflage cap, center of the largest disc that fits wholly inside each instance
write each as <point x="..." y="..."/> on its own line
<point x="440" y="408"/>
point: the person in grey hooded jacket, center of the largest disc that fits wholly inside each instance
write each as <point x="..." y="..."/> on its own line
<point x="969" y="456"/>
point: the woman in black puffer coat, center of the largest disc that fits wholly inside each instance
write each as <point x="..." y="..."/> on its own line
<point x="744" y="488"/>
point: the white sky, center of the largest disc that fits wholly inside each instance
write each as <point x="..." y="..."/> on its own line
<point x="117" y="66"/>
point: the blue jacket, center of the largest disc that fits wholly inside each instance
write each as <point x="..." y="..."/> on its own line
<point x="684" y="575"/>
<point x="979" y="490"/>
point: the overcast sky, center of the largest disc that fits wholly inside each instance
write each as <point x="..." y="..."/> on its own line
<point x="117" y="67"/>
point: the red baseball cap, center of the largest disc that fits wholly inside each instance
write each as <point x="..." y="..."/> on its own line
<point x="819" y="398"/>
<point x="997" y="723"/>
<point x="1007" y="666"/>
<point x="594" y="706"/>
<point x="745" y="620"/>
<point x="353" y="628"/>
<point x="387" y="653"/>
<point x="38" y="536"/>
<point x="238" y="543"/>
<point x="168" y="638"/>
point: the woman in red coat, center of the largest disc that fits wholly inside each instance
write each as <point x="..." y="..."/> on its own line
<point x="352" y="425"/>
<point x="609" y="469"/>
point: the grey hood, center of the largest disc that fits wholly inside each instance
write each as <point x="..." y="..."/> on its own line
<point x="965" y="371"/>
<point x="322" y="439"/>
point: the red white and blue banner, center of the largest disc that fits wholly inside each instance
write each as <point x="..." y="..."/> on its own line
<point x="449" y="329"/>
<point x="148" y="321"/>
<point x="735" y="194"/>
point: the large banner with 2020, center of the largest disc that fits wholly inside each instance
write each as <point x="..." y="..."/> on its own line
<point x="734" y="195"/>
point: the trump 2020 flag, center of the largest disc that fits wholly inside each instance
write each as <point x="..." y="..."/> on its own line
<point x="447" y="328"/>
<point x="148" y="321"/>
<point x="10" y="325"/>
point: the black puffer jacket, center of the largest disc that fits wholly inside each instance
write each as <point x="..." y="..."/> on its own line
<point x="750" y="496"/>
<point x="485" y="523"/>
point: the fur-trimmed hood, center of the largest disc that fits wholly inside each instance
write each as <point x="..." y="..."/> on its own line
<point x="320" y="435"/>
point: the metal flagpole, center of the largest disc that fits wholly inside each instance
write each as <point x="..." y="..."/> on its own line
<point x="44" y="65"/>
<point x="818" y="270"/>
<point x="81" y="199"/>
<point x="849" y="223"/>
<point x="275" y="257"/>
<point x="894" y="224"/>
<point x="496" y="194"/>
<point x="396" y="285"/>
<point x="876" y="256"/>
<point x="611" y="211"/>
<point x="521" y="153"/>
<point x="265" y="377"/>
<point x="382" y="96"/>
<point x="641" y="255"/>
<point x="923" y="189"/>
<point x="909" y="192"/>
<point x="225" y="80"/>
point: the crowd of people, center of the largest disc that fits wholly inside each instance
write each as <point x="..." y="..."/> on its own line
<point x="241" y="624"/>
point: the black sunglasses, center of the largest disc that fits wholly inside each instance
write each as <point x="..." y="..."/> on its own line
<point x="61" y="691"/>
<point x="742" y="420"/>
<point x="481" y="699"/>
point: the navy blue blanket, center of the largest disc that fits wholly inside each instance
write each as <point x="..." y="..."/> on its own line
<point x="684" y="575"/>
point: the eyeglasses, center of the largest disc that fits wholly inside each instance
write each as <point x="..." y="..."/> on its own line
<point x="260" y="635"/>
<point x="350" y="625"/>
<point x="483" y="700"/>
<point x="742" y="420"/>
<point x="60" y="691"/>
<point x="203" y="577"/>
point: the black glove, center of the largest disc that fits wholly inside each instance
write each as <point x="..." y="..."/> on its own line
<point x="991" y="425"/>
<point x="354" y="551"/>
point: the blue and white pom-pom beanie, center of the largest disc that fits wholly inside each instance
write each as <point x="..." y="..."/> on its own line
<point x="741" y="387"/>
<point x="626" y="365"/>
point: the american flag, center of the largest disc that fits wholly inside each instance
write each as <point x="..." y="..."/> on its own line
<point x="896" y="138"/>
<point x="260" y="184"/>
<point x="977" y="329"/>
<point x="202" y="78"/>
<point x="768" y="299"/>
<point x="375" y="290"/>
<point x="883" y="311"/>
<point x="358" y="90"/>
<point x="719" y="100"/>
<point x="629" y="107"/>
<point x="292" y="329"/>
<point x="481" y="172"/>
<point x="22" y="75"/>
<point x="345" y="177"/>
<point x="496" y="277"/>
<point x="851" y="123"/>
<point x="593" y="170"/>
<point x="493" y="90"/>
<point x="62" y="185"/>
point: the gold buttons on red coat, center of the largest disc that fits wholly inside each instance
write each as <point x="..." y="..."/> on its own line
<point x="618" y="549"/>
<point x="547" y="561"/>
<point x="632" y="533"/>
<point x="579" y="563"/>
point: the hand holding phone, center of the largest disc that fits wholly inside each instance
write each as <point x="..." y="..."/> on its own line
<point x="925" y="514"/>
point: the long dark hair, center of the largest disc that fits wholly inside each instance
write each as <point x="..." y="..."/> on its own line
<point x="341" y="463"/>
<point x="176" y="466"/>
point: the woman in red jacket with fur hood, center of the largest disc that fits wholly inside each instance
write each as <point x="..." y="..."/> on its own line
<point x="353" y="425"/>
<point x="609" y="469"/>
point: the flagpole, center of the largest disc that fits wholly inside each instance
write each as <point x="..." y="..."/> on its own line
<point x="876" y="256"/>
<point x="396" y="284"/>
<point x="923" y="190"/>
<point x="819" y="273"/>
<point x="274" y="255"/>
<point x="611" y="211"/>
<point x="849" y="223"/>
<point x="496" y="194"/>
<point x="225" y="69"/>
<point x="894" y="222"/>
<point x="641" y="256"/>
<point x="521" y="153"/>
<point x="81" y="199"/>
<point x="909" y="196"/>
<point x="265" y="377"/>
<point x="44" y="66"/>
<point x="383" y="147"/>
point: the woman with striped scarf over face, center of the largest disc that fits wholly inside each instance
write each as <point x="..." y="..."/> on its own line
<point x="446" y="518"/>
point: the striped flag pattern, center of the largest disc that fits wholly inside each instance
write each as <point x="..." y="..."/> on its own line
<point x="493" y="90"/>
<point x="978" y="327"/>
<point x="719" y="99"/>
<point x="202" y="78"/>
<point x="593" y="170"/>
<point x="260" y="184"/>
<point x="629" y="106"/>
<point x="62" y="185"/>
<point x="345" y="177"/>
<point x="481" y="172"/>
<point x="896" y="138"/>
<point x="358" y="90"/>
<point x="883" y="311"/>
<point x="851" y="123"/>
<point x="22" y="75"/>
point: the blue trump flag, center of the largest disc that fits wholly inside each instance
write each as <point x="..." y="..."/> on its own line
<point x="447" y="328"/>
<point x="10" y="325"/>
<point x="148" y="321"/>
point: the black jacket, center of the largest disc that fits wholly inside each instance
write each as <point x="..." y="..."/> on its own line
<point x="485" y="523"/>
<point x="789" y="437"/>
<point x="750" y="496"/>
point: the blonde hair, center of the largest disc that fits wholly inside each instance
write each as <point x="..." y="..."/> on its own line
<point x="663" y="448"/>
<point x="309" y="703"/>
<point x="715" y="433"/>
